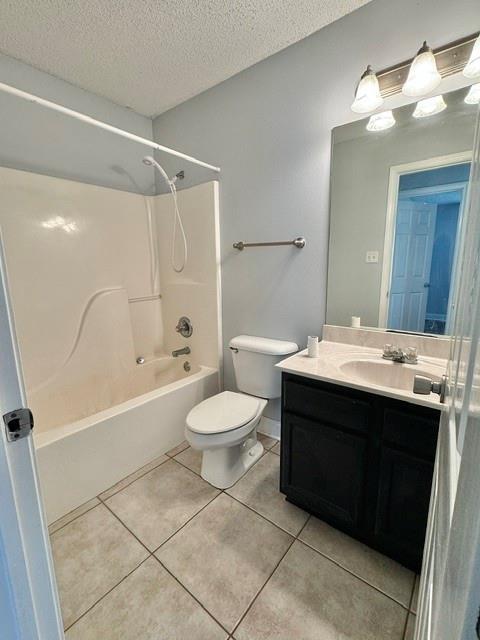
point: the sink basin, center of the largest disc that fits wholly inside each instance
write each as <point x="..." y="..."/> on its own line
<point x="385" y="373"/>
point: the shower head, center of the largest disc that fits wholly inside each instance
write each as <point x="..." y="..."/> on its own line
<point x="151" y="162"/>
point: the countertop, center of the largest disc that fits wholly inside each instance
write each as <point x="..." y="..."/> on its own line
<point x="330" y="367"/>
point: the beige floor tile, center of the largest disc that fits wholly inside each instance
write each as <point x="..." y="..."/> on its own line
<point x="61" y="522"/>
<point x="148" y="605"/>
<point x="276" y="449"/>
<point x="373" y="567"/>
<point x="224" y="556"/>
<point x="190" y="458"/>
<point x="91" y="555"/>
<point x="180" y="447"/>
<point x="267" y="442"/>
<point x="132" y="477"/>
<point x="311" y="598"/>
<point x="409" y="631"/>
<point x="414" y="603"/>
<point x="259" y="489"/>
<point x="160" y="502"/>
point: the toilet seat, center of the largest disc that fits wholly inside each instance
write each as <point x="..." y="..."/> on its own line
<point x="223" y="412"/>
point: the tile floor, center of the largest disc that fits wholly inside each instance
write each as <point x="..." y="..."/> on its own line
<point x="163" y="554"/>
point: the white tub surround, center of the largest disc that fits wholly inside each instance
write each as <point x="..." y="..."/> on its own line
<point x="362" y="367"/>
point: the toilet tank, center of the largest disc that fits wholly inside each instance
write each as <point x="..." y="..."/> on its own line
<point x="253" y="361"/>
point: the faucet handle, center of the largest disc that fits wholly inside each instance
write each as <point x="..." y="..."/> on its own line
<point x="411" y="355"/>
<point x="388" y="350"/>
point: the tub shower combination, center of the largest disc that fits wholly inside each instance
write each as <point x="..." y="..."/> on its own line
<point x="110" y="364"/>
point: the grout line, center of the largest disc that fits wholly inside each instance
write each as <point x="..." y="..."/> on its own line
<point x="265" y="517"/>
<point x="191" y="594"/>
<point x="124" y="525"/>
<point x="178" y="452"/>
<point x="189" y="469"/>
<point x="185" y="523"/>
<point x="76" y="517"/>
<point x="102" y="500"/>
<point x="270" y="576"/>
<point x="355" y="575"/>
<point x="294" y="539"/>
<point x="132" y="481"/>
<point x="106" y="593"/>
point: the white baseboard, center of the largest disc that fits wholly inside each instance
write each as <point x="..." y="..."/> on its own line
<point x="269" y="427"/>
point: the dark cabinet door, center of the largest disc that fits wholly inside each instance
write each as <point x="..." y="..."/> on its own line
<point x="324" y="469"/>
<point x="402" y="506"/>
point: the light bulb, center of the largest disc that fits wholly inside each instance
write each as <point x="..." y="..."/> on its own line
<point x="367" y="96"/>
<point x="473" y="96"/>
<point x="381" y="121"/>
<point x="429" y="107"/>
<point x="472" y="68"/>
<point x="423" y="76"/>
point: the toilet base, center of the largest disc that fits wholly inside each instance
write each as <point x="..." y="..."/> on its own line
<point x="223" y="467"/>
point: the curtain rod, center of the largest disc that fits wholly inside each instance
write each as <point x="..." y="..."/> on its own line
<point x="101" y="125"/>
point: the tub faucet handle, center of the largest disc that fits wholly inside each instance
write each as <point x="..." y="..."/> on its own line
<point x="184" y="327"/>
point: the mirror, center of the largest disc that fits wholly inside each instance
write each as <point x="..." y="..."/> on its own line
<point x="396" y="203"/>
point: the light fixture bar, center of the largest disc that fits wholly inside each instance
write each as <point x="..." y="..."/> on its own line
<point x="450" y="59"/>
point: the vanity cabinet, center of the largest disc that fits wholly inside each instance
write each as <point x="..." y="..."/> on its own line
<point x="361" y="462"/>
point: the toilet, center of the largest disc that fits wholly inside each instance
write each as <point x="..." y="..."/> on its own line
<point x="224" y="427"/>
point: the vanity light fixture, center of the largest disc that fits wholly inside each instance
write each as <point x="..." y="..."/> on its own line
<point x="473" y="96"/>
<point x="381" y="121"/>
<point x="367" y="95"/>
<point x="472" y="68"/>
<point x="429" y="107"/>
<point x="423" y="75"/>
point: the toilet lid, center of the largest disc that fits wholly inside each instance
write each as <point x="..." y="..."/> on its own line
<point x="224" y="412"/>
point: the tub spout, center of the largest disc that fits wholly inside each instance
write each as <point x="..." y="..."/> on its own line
<point x="181" y="352"/>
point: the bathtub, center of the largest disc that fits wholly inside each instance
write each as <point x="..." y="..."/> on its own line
<point x="79" y="458"/>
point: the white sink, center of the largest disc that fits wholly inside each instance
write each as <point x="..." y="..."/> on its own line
<point x="385" y="373"/>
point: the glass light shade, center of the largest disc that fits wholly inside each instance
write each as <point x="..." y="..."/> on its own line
<point x="472" y="68"/>
<point x="473" y="96"/>
<point x="429" y="107"/>
<point x="381" y="121"/>
<point x="367" y="96"/>
<point x="423" y="76"/>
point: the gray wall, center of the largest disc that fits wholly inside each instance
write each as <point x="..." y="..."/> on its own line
<point x="269" y="128"/>
<point x="35" y="139"/>
<point x="361" y="163"/>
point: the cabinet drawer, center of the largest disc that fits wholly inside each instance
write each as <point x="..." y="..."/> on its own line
<point x="416" y="432"/>
<point x="326" y="405"/>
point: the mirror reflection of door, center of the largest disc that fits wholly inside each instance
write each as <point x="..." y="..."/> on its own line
<point x="428" y="213"/>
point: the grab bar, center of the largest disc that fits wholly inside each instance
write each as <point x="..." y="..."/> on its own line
<point x="297" y="242"/>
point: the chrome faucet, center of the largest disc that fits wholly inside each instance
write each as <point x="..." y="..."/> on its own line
<point x="181" y="352"/>
<point x="397" y="354"/>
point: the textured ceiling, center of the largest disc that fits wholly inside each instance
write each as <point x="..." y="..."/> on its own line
<point x="151" y="55"/>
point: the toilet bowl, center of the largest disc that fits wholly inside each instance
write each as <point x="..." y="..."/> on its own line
<point x="224" y="427"/>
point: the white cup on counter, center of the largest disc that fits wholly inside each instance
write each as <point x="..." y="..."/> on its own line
<point x="312" y="346"/>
